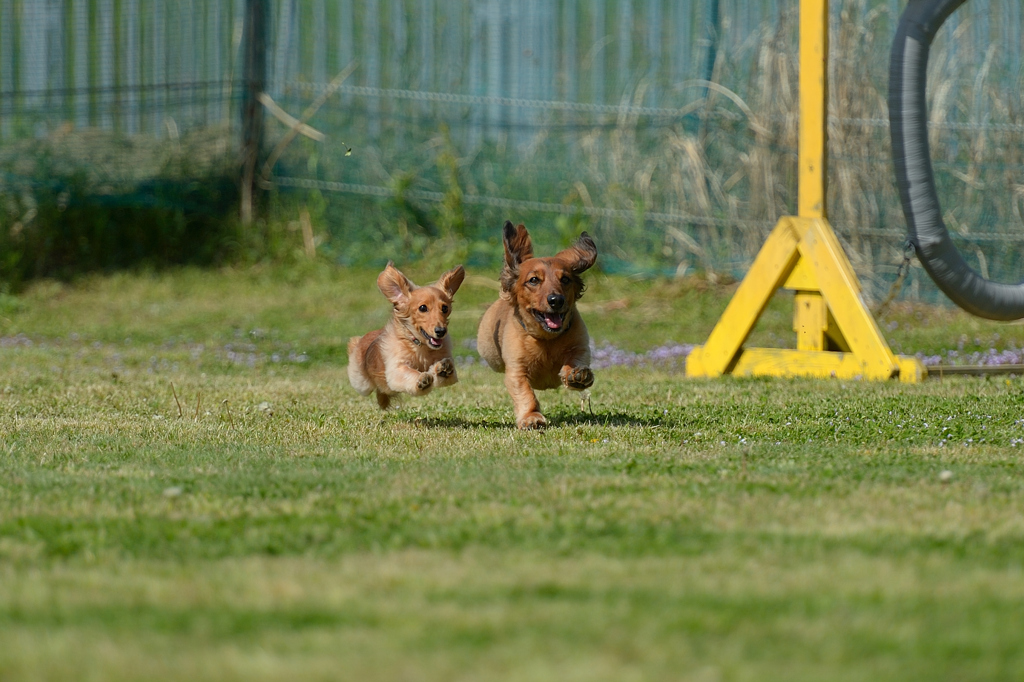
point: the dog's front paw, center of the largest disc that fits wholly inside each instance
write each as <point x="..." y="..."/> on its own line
<point x="578" y="378"/>
<point x="443" y="368"/>
<point x="532" y="421"/>
<point x="426" y="381"/>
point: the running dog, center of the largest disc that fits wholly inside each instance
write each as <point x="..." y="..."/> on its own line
<point x="413" y="353"/>
<point x="533" y="332"/>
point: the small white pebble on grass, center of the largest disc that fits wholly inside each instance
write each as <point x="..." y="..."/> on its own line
<point x="945" y="475"/>
<point x="173" y="491"/>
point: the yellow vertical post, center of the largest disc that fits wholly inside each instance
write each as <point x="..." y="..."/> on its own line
<point x="813" y="154"/>
<point x="810" y="320"/>
<point x="810" y="313"/>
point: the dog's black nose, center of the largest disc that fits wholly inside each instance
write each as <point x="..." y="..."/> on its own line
<point x="556" y="301"/>
<point x="439" y="332"/>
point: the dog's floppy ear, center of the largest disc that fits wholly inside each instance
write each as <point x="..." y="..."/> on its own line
<point x="581" y="255"/>
<point x="452" y="280"/>
<point x="395" y="286"/>
<point x="518" y="248"/>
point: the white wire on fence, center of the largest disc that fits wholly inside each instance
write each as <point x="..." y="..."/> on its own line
<point x="476" y="100"/>
<point x="602" y="212"/>
<point x="540" y="206"/>
<point x="591" y="108"/>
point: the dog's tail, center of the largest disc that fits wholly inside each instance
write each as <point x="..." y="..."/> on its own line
<point x="357" y="375"/>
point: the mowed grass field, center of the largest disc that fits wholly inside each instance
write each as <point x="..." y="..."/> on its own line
<point x="190" y="489"/>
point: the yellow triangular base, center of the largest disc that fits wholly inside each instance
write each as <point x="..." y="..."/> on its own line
<point x="836" y="335"/>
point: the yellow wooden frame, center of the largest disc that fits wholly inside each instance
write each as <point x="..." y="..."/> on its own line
<point x="836" y="334"/>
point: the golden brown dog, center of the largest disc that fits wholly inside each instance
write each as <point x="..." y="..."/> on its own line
<point x="413" y="352"/>
<point x="533" y="333"/>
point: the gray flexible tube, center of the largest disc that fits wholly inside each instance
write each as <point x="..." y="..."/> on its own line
<point x="908" y="118"/>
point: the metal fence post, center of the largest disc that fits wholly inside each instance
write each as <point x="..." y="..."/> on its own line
<point x="254" y="82"/>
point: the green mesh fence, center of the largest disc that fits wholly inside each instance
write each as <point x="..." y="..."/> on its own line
<point x="666" y="129"/>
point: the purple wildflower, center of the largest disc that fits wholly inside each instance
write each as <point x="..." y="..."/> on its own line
<point x="667" y="355"/>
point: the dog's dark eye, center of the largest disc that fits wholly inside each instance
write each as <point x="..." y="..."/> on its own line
<point x="566" y="280"/>
<point x="444" y="309"/>
<point x="534" y="280"/>
<point x="423" y="308"/>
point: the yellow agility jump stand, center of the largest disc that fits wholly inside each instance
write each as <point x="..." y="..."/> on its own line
<point x="836" y="334"/>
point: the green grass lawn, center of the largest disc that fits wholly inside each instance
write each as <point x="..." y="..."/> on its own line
<point x="190" y="489"/>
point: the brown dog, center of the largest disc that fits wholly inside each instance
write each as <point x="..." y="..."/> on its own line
<point x="533" y="333"/>
<point x="413" y="352"/>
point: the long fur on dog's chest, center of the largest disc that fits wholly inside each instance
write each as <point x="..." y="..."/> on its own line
<point x="374" y="353"/>
<point x="540" y="359"/>
<point x="395" y="344"/>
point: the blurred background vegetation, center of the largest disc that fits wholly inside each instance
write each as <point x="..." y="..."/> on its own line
<point x="667" y="129"/>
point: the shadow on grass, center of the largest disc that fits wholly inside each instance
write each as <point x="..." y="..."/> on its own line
<point x="556" y="419"/>
<point x="459" y="423"/>
<point x="603" y="419"/>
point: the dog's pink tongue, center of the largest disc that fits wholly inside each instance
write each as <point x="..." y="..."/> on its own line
<point x="554" y="320"/>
